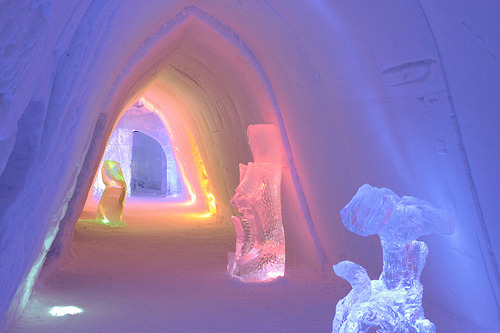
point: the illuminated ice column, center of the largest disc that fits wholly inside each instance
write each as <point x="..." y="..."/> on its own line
<point x="110" y="209"/>
<point x="260" y="238"/>
<point x="394" y="302"/>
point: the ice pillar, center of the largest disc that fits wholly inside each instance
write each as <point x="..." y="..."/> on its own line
<point x="394" y="302"/>
<point x="110" y="209"/>
<point x="260" y="238"/>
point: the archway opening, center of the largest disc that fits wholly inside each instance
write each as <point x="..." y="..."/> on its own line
<point x="141" y="144"/>
<point x="161" y="165"/>
<point x="209" y="91"/>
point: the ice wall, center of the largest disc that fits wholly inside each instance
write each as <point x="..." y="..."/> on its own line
<point x="119" y="147"/>
<point x="401" y="94"/>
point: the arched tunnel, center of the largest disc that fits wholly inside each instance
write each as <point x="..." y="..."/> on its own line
<point x="396" y="94"/>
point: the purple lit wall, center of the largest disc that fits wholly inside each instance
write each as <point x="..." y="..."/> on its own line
<point x="119" y="148"/>
<point x="398" y="94"/>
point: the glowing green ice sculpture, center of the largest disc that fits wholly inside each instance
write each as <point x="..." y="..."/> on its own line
<point x="110" y="209"/>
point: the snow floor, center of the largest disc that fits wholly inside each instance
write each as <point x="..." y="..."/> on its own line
<point x="171" y="277"/>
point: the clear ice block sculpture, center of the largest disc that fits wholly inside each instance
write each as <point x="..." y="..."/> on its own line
<point x="110" y="209"/>
<point x="260" y="238"/>
<point x="394" y="302"/>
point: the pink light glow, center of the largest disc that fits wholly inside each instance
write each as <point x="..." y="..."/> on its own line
<point x="260" y="237"/>
<point x="198" y="201"/>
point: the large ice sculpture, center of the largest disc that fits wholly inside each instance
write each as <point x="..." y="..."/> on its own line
<point x="110" y="209"/>
<point x="260" y="238"/>
<point x="394" y="302"/>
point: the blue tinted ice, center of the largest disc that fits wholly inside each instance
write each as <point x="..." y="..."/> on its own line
<point x="394" y="302"/>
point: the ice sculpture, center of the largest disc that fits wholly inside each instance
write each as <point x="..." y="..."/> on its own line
<point x="394" y="302"/>
<point x="260" y="238"/>
<point x="110" y="209"/>
<point x="141" y="135"/>
<point x="119" y="149"/>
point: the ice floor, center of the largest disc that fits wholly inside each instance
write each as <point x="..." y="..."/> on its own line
<point x="170" y="276"/>
<point x="170" y="279"/>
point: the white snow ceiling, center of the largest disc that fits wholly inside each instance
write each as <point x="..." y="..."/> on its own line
<point x="401" y="94"/>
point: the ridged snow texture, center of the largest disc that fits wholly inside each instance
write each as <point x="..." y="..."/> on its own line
<point x="260" y="237"/>
<point x="394" y="302"/>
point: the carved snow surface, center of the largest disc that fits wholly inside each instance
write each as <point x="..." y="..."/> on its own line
<point x="394" y="302"/>
<point x="110" y="209"/>
<point x="260" y="238"/>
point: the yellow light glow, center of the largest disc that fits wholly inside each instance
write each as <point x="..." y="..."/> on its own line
<point x="197" y="201"/>
<point x="202" y="174"/>
<point x="199" y="215"/>
<point x="200" y="167"/>
<point x="191" y="195"/>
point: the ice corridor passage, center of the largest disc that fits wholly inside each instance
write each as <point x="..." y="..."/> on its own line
<point x="151" y="277"/>
<point x="162" y="95"/>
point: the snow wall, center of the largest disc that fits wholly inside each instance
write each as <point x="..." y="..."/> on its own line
<point x="401" y="94"/>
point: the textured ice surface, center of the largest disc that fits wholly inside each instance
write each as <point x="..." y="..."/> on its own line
<point x="264" y="143"/>
<point x="149" y="166"/>
<point x="260" y="238"/>
<point x="119" y="149"/>
<point x="110" y="209"/>
<point x="394" y="302"/>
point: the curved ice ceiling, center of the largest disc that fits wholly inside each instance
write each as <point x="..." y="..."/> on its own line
<point x="402" y="95"/>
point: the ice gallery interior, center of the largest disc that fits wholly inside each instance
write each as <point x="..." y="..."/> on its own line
<point x="249" y="166"/>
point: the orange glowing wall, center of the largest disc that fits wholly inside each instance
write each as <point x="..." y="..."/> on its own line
<point x="199" y="201"/>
